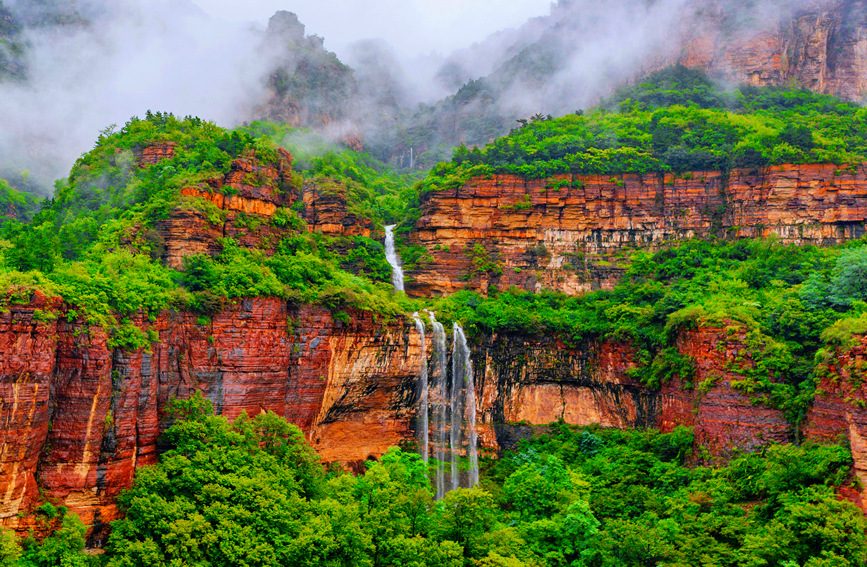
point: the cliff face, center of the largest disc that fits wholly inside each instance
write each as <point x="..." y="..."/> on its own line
<point x="511" y="231"/>
<point x="822" y="47"/>
<point x="542" y="380"/>
<point x="78" y="417"/>
<point x="240" y="205"/>
<point x="325" y="211"/>
<point x="840" y="408"/>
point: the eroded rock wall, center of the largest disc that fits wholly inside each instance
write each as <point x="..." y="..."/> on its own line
<point x="79" y="417"/>
<point x="820" y="45"/>
<point x="508" y="230"/>
<point x="840" y="409"/>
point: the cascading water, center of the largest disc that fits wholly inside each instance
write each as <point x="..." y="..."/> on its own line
<point x="463" y="373"/>
<point x="423" y="392"/>
<point x="457" y="414"/>
<point x="452" y="402"/>
<point x="391" y="256"/>
<point x="438" y="402"/>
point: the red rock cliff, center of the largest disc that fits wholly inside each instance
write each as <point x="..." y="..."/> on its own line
<point x="840" y="408"/>
<point x="511" y="231"/>
<point x="821" y="45"/>
<point x="79" y="417"/>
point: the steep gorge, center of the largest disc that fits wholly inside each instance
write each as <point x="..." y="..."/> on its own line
<point x="80" y="416"/>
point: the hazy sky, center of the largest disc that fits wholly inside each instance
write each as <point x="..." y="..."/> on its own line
<point x="414" y="26"/>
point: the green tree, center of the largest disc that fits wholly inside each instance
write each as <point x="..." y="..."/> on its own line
<point x="464" y="516"/>
<point x="10" y="550"/>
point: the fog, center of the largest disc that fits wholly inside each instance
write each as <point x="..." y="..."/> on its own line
<point x="108" y="60"/>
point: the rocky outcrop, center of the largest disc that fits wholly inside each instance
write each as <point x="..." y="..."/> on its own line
<point x="325" y="210"/>
<point x="79" y="417"/>
<point x="308" y="86"/>
<point x="152" y="155"/>
<point x="240" y="205"/>
<point x="570" y="233"/>
<point x="821" y="46"/>
<point x="840" y="408"/>
<point x="725" y="418"/>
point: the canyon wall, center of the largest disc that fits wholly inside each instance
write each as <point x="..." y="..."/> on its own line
<point x="78" y="417"/>
<point x="821" y="46"/>
<point x="532" y="234"/>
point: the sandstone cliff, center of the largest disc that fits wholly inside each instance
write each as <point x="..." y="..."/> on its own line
<point x="840" y="409"/>
<point x="79" y="417"/>
<point x="821" y="46"/>
<point x="508" y="231"/>
<point x="240" y="205"/>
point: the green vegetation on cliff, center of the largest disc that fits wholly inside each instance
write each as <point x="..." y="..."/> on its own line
<point x="777" y="300"/>
<point x="252" y="492"/>
<point x="374" y="190"/>
<point x="675" y="121"/>
<point x="98" y="243"/>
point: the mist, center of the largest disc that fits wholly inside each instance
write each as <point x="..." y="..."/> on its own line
<point x="91" y="64"/>
<point x="123" y="60"/>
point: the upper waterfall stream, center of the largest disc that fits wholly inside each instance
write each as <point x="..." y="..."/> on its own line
<point x="393" y="259"/>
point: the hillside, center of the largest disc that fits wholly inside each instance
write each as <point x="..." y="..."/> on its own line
<point x="199" y="338"/>
<point x="574" y="57"/>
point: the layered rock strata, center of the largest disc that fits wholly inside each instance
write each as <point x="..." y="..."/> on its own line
<point x="241" y="205"/>
<point x="325" y="211"/>
<point x="571" y="233"/>
<point x="78" y="417"/>
<point x="821" y="45"/>
<point x="840" y="408"/>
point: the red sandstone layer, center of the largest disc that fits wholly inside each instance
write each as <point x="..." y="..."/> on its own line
<point x="526" y="234"/>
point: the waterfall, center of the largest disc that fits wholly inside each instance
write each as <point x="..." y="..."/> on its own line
<point x="457" y="412"/>
<point x="462" y="378"/>
<point x="423" y="387"/>
<point x="452" y="400"/>
<point x="391" y="256"/>
<point x="439" y="406"/>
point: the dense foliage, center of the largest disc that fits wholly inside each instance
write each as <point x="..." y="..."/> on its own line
<point x="373" y="189"/>
<point x="96" y="243"/>
<point x="251" y="492"/>
<point x="776" y="300"/>
<point x="15" y="205"/>
<point x="675" y="121"/>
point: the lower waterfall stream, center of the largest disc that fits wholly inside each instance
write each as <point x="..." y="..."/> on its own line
<point x="447" y="400"/>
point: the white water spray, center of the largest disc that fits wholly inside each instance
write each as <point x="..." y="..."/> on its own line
<point x="391" y="256"/>
<point x="452" y="402"/>
<point x="439" y="405"/>
<point x="463" y="373"/>
<point x="423" y="392"/>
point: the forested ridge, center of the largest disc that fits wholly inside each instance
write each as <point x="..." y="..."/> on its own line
<point x="252" y="492"/>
